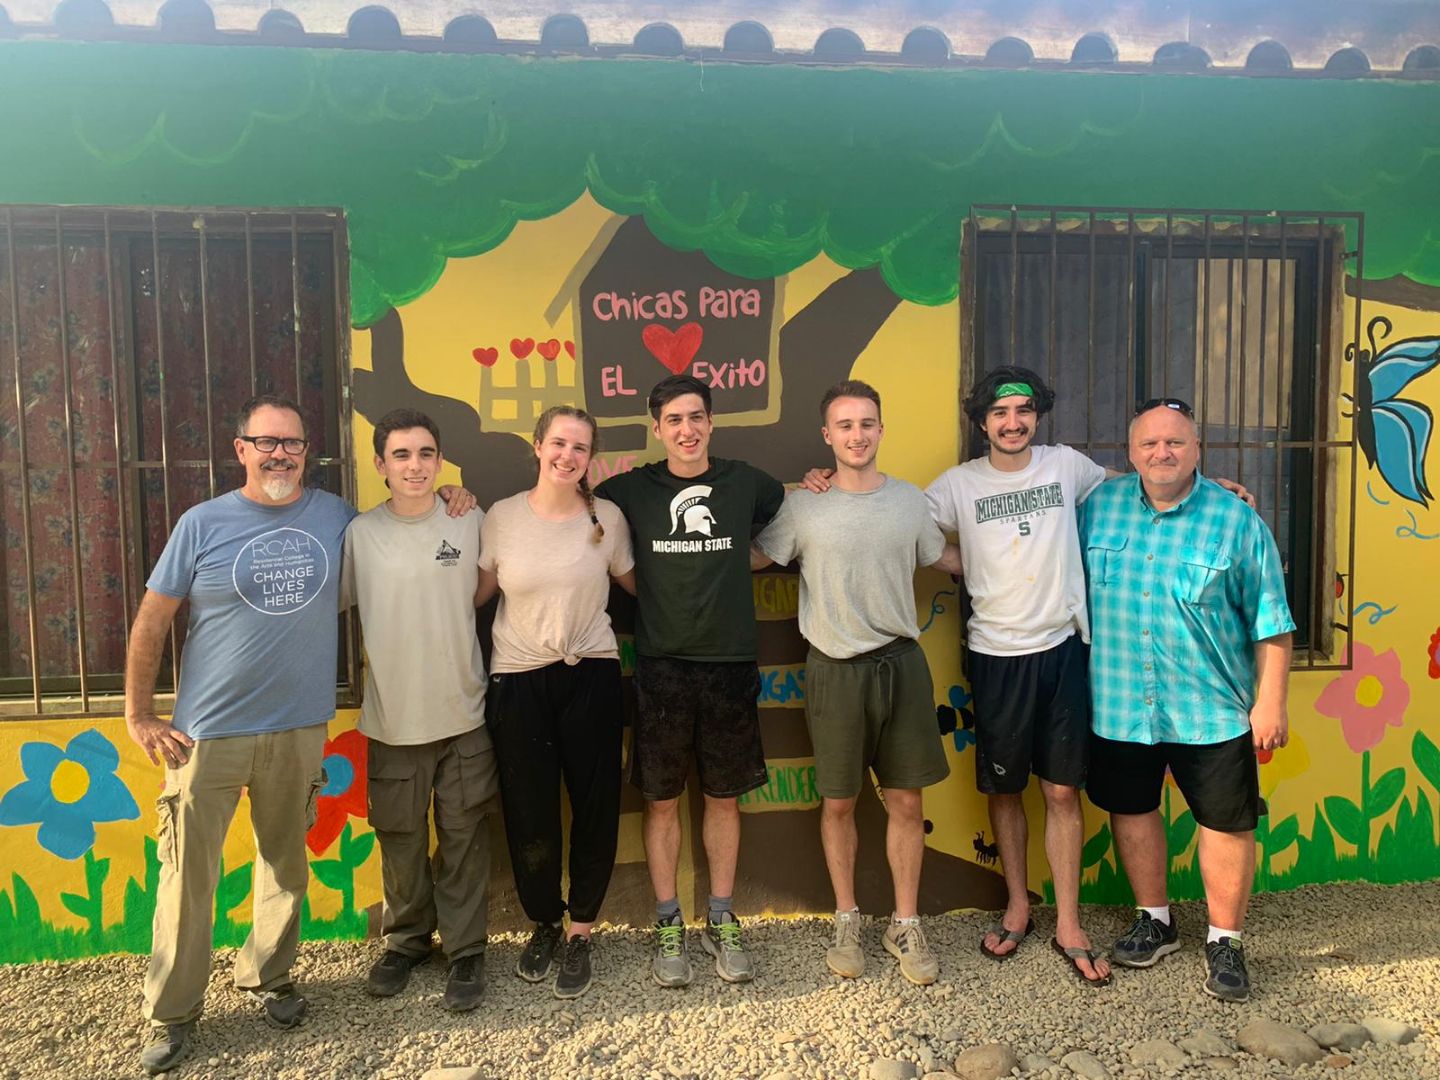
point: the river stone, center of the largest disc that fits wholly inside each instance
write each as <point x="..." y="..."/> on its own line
<point x="1383" y="1030"/>
<point x="1037" y="1063"/>
<point x="1205" y="1043"/>
<point x="1339" y="1061"/>
<point x="989" y="1062"/>
<point x="938" y="1076"/>
<point x="783" y="1075"/>
<point x="1157" y="1052"/>
<point x="892" y="1069"/>
<point x="1267" y="1038"/>
<point x="1340" y="1036"/>
<point x="1083" y="1063"/>
<point x="453" y="1074"/>
<point x="1221" y="1064"/>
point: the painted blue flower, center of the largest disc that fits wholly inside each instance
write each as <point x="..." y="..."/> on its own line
<point x="67" y="791"/>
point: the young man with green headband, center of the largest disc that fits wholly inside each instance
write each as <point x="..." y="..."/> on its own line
<point x="1013" y="512"/>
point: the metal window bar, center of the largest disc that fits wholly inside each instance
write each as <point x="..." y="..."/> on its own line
<point x="1297" y="440"/>
<point x="125" y="236"/>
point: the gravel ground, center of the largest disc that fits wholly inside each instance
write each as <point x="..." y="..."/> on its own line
<point x="1338" y="953"/>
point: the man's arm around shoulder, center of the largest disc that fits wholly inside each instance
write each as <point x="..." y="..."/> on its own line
<point x="157" y="737"/>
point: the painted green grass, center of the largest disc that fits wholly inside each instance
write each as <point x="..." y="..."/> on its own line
<point x="27" y="936"/>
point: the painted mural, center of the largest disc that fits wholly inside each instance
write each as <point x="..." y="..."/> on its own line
<point x="526" y="232"/>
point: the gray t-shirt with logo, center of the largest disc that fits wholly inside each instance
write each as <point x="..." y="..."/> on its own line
<point x="858" y="552"/>
<point x="414" y="579"/>
<point x="263" y="583"/>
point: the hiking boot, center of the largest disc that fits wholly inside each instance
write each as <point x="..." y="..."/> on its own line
<point x="389" y="974"/>
<point x="906" y="942"/>
<point x="846" y="957"/>
<point x="573" y="978"/>
<point x="466" y="983"/>
<point x="1227" y="979"/>
<point x="671" y="966"/>
<point x="164" y="1046"/>
<point x="284" y="1007"/>
<point x="537" y="960"/>
<point x="1147" y="940"/>
<point x="722" y="941"/>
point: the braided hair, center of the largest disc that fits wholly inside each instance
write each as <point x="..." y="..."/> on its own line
<point x="542" y="428"/>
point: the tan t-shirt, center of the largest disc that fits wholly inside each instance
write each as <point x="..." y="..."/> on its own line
<point x="554" y="583"/>
<point x="414" y="580"/>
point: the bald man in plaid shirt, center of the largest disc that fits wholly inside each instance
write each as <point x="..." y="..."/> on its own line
<point x="1188" y="671"/>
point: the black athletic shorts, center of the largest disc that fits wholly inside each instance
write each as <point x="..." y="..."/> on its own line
<point x="689" y="710"/>
<point x="1220" y="781"/>
<point x="1032" y="714"/>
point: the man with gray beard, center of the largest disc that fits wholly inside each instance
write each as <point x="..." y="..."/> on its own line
<point x="260" y="568"/>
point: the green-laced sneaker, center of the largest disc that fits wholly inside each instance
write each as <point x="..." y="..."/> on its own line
<point x="722" y="941"/>
<point x="671" y="965"/>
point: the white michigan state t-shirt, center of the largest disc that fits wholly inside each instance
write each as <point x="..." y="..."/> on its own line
<point x="1020" y="546"/>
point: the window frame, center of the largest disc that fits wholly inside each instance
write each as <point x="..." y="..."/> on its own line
<point x="1332" y="243"/>
<point x="118" y="229"/>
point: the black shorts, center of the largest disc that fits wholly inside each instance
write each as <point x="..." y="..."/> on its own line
<point x="1220" y="781"/>
<point x="689" y="710"/>
<point x="1032" y="714"/>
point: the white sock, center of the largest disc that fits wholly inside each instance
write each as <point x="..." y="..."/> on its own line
<point x="849" y="911"/>
<point x="913" y="920"/>
<point x="1161" y="914"/>
<point x="1214" y="934"/>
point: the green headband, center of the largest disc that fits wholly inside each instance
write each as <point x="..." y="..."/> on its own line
<point x="1011" y="388"/>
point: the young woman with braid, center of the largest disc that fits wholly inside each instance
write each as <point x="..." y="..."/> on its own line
<point x="553" y="705"/>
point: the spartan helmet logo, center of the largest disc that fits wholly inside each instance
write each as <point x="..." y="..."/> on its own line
<point x="688" y="508"/>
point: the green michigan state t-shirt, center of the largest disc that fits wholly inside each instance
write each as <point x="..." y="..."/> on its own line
<point x="692" y="555"/>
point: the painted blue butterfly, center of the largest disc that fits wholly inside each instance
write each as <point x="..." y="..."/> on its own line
<point x="1394" y="432"/>
<point x="956" y="719"/>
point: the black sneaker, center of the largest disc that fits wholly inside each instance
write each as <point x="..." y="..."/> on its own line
<point x="1147" y="940"/>
<point x="284" y="1007"/>
<point x="466" y="983"/>
<point x="164" y="1046"/>
<point x="573" y="979"/>
<point x="537" y="960"/>
<point x="1227" y="980"/>
<point x="389" y="974"/>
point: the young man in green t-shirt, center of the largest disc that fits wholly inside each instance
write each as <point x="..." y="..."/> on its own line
<point x="696" y="680"/>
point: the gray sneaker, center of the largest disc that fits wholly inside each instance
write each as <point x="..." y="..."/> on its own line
<point x="722" y="941"/>
<point x="846" y="957"/>
<point x="906" y="942"/>
<point x="165" y="1046"/>
<point x="671" y="965"/>
<point x="284" y="1007"/>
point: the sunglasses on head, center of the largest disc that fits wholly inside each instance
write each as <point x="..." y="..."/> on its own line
<point x="1179" y="406"/>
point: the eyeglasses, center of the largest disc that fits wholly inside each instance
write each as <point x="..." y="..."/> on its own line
<point x="1182" y="407"/>
<point x="266" y="444"/>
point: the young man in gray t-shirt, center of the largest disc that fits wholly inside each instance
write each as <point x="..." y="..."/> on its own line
<point x="869" y="699"/>
<point x="413" y="572"/>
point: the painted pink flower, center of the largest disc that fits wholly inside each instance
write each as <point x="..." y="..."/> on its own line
<point x="1435" y="654"/>
<point x="1367" y="699"/>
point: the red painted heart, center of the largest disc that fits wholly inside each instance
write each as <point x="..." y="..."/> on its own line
<point x="486" y="357"/>
<point x="549" y="349"/>
<point x="570" y="348"/>
<point x="522" y="349"/>
<point x="673" y="348"/>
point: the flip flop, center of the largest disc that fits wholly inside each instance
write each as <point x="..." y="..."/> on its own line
<point x="1005" y="935"/>
<point x="1075" y="954"/>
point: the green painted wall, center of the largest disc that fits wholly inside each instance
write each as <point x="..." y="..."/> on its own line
<point x="761" y="167"/>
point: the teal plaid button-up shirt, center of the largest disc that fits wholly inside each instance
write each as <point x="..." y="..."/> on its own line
<point x="1178" y="600"/>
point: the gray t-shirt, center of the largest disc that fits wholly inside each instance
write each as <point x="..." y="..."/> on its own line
<point x="858" y="552"/>
<point x="262" y="582"/>
<point x="414" y="581"/>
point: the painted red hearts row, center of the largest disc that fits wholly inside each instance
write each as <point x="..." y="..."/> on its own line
<point x="520" y="348"/>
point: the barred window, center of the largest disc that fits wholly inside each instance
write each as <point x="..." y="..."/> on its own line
<point x="128" y="340"/>
<point x="1240" y="314"/>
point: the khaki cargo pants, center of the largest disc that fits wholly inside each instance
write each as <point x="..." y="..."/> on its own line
<point x="283" y="774"/>
<point x="448" y="892"/>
